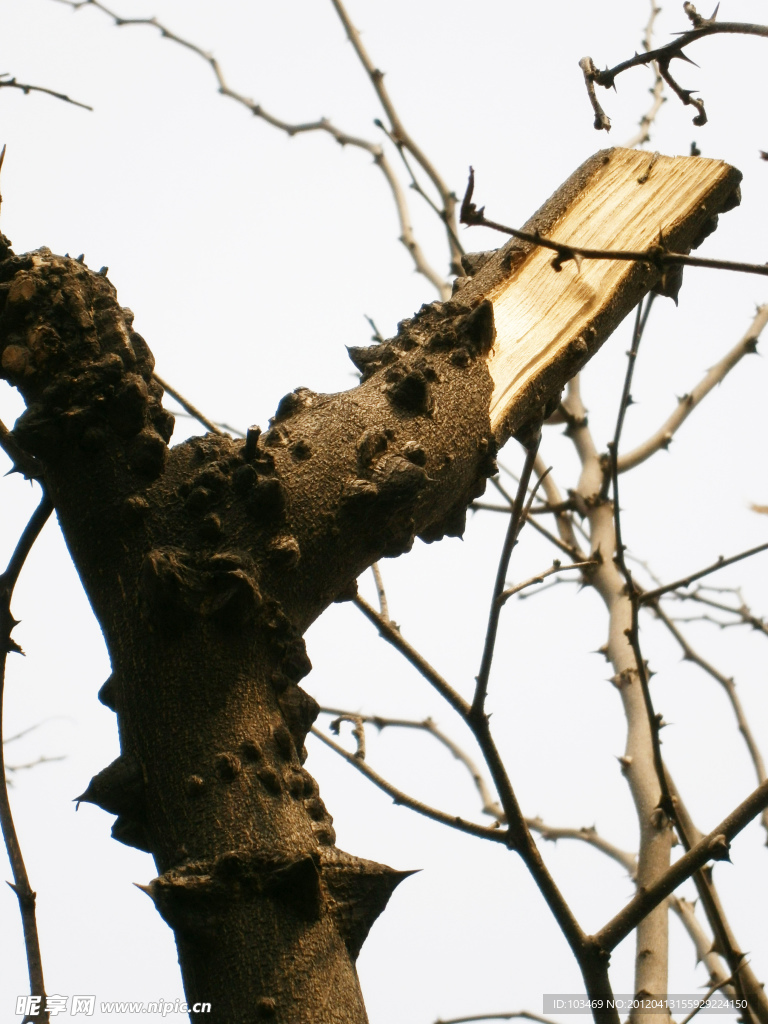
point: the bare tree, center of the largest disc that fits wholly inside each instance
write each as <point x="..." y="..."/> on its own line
<point x="205" y="564"/>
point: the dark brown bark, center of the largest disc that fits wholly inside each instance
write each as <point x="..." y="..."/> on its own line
<point x="204" y="565"/>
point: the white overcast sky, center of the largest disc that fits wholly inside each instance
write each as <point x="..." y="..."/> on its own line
<point x="250" y="260"/>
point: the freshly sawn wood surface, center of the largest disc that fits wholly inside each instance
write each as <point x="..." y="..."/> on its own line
<point x="548" y="322"/>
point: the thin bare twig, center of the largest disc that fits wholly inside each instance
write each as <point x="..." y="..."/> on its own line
<point x="651" y="595"/>
<point x="548" y="833"/>
<point x="403" y="140"/>
<point x="407" y="236"/>
<point x="729" y="686"/>
<point x="389" y="632"/>
<point x="489" y="803"/>
<point x="643" y="134"/>
<point x="555" y="567"/>
<point x="358" y="730"/>
<point x="515" y="525"/>
<point x="663" y="56"/>
<point x="188" y="407"/>
<point x="588" y="835"/>
<point x="24" y="892"/>
<point x="517" y="835"/>
<point x="567" y="540"/>
<point x="744" y="615"/>
<point x="43" y="759"/>
<point x="575" y="553"/>
<point x="704" y="1001"/>
<point x="657" y="256"/>
<point x="663" y="436"/>
<point x="7" y="82"/>
<point x="714" y="846"/>
<point x="416" y="185"/>
<point x="383" y="606"/>
<point x="399" y="797"/>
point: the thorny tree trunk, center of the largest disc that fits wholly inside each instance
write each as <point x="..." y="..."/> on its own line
<point x="204" y="565"/>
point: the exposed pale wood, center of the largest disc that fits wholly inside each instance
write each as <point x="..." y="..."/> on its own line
<point x="549" y="323"/>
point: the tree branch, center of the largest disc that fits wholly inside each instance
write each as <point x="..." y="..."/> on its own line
<point x="7" y="82"/>
<point x="643" y="135"/>
<point x="489" y="803"/>
<point x="663" y="56"/>
<point x="516" y="522"/>
<point x="714" y="846"/>
<point x="20" y="885"/>
<point x="188" y="407"/>
<point x="399" y="797"/>
<point x="652" y="595"/>
<point x="403" y="139"/>
<point x="730" y="688"/>
<point x="389" y="632"/>
<point x="685" y="406"/>
<point x="656" y="255"/>
<point x="554" y="568"/>
<point x="407" y="236"/>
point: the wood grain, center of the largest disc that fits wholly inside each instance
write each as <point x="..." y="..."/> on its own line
<point x="549" y="322"/>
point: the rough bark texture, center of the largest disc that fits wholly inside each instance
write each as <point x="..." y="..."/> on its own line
<point x="204" y="565"/>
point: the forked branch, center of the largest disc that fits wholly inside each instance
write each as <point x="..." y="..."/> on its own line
<point x="663" y="56"/>
<point x="662" y="437"/>
<point x="714" y="846"/>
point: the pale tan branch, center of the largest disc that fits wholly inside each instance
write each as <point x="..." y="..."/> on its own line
<point x="401" y="137"/>
<point x="187" y="406"/>
<point x="383" y="605"/>
<point x="729" y="686"/>
<point x="588" y="835"/>
<point x="685" y="406"/>
<point x="702" y="940"/>
<point x="638" y="760"/>
<point x="554" y="568"/>
<point x="343" y="138"/>
<point x="643" y="134"/>
<point x="490" y="805"/>
<point x="714" y="846"/>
